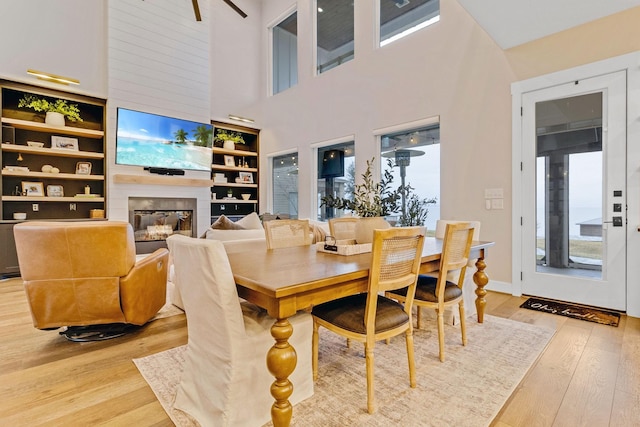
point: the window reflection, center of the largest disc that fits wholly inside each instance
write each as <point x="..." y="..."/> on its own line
<point x="285" y="184"/>
<point x="415" y="159"/>
<point x="336" y="176"/>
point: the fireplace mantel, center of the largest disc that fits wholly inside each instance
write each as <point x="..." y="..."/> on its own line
<point x="161" y="180"/>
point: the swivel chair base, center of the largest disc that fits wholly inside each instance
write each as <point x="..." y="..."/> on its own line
<point x="97" y="332"/>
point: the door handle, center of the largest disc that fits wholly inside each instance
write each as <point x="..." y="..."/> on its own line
<point x="616" y="221"/>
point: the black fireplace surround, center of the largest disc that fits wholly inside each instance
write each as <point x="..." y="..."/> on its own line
<point x="155" y="218"/>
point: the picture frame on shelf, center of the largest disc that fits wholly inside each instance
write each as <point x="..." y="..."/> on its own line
<point x="55" y="191"/>
<point x="83" y="168"/>
<point x="32" y="189"/>
<point x="246" y="177"/>
<point x="64" y="143"/>
<point x="229" y="161"/>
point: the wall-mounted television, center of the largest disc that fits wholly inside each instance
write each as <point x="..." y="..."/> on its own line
<point x="160" y="142"/>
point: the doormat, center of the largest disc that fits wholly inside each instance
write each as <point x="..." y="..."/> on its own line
<point x="589" y="314"/>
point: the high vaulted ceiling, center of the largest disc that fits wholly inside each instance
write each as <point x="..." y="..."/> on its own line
<point x="514" y="22"/>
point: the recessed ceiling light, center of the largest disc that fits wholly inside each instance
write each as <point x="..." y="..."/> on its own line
<point x="320" y="10"/>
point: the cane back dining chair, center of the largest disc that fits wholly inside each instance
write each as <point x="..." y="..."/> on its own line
<point x="369" y="317"/>
<point x="438" y="292"/>
<point x="468" y="290"/>
<point x="284" y="233"/>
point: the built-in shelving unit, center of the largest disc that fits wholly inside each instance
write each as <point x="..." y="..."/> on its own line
<point x="69" y="180"/>
<point x="65" y="165"/>
<point x="235" y="172"/>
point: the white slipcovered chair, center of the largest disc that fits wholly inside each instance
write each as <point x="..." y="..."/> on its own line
<point x="225" y="381"/>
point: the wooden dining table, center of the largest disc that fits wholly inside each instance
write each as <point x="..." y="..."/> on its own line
<point x="286" y="280"/>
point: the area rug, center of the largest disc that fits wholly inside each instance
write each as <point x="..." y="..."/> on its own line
<point x="573" y="311"/>
<point x="167" y="310"/>
<point x="468" y="389"/>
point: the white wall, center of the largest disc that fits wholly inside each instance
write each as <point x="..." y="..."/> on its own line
<point x="59" y="37"/>
<point x="158" y="63"/>
<point x="236" y="75"/>
<point x="451" y="69"/>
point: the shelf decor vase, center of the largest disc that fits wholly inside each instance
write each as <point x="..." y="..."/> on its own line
<point x="229" y="145"/>
<point x="365" y="226"/>
<point x="54" y="119"/>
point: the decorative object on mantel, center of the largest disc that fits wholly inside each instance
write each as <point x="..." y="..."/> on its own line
<point x="56" y="110"/>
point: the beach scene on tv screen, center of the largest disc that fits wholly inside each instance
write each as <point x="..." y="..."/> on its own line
<point x="151" y="140"/>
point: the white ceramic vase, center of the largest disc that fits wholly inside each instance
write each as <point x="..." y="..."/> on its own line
<point x="54" y="119"/>
<point x="365" y="226"/>
<point x="229" y="145"/>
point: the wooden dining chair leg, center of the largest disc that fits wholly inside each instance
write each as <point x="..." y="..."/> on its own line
<point x="418" y="315"/>
<point x="440" y="312"/>
<point x="368" y="352"/>
<point x="348" y="343"/>
<point x="314" y="350"/>
<point x="411" y="358"/>
<point x="462" y="323"/>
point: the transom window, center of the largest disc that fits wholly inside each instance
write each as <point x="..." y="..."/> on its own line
<point x="334" y="33"/>
<point x="399" y="18"/>
<point x="285" y="54"/>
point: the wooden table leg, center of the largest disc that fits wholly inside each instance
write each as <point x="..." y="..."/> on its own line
<point x="281" y="361"/>
<point x="480" y="279"/>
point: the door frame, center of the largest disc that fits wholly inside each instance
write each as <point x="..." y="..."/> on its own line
<point x="628" y="63"/>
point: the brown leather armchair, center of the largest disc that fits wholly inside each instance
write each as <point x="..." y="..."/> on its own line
<point x="78" y="274"/>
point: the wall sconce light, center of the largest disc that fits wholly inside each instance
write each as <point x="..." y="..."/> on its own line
<point x="53" y="78"/>
<point x="240" y="119"/>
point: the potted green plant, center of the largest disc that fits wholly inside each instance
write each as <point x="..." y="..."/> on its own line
<point x="56" y="110"/>
<point x="229" y="138"/>
<point x="376" y="200"/>
<point x="371" y="201"/>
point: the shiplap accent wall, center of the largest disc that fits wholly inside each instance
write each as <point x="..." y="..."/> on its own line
<point x="158" y="62"/>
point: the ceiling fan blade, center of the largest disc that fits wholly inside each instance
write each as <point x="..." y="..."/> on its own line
<point x="234" y="7"/>
<point x="196" y="10"/>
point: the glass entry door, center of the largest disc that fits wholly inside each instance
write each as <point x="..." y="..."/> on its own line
<point x="574" y="195"/>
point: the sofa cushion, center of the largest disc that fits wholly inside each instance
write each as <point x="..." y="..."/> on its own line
<point x="224" y="223"/>
<point x="250" y="222"/>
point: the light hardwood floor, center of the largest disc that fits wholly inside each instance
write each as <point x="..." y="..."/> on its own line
<point x="588" y="375"/>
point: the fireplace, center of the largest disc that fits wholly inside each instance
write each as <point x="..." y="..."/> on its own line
<point x="155" y="219"/>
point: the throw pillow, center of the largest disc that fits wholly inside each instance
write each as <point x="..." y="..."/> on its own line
<point x="250" y="222"/>
<point x="224" y="223"/>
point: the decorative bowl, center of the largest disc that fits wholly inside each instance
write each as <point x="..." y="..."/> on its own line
<point x="246" y="196"/>
<point x="19" y="215"/>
